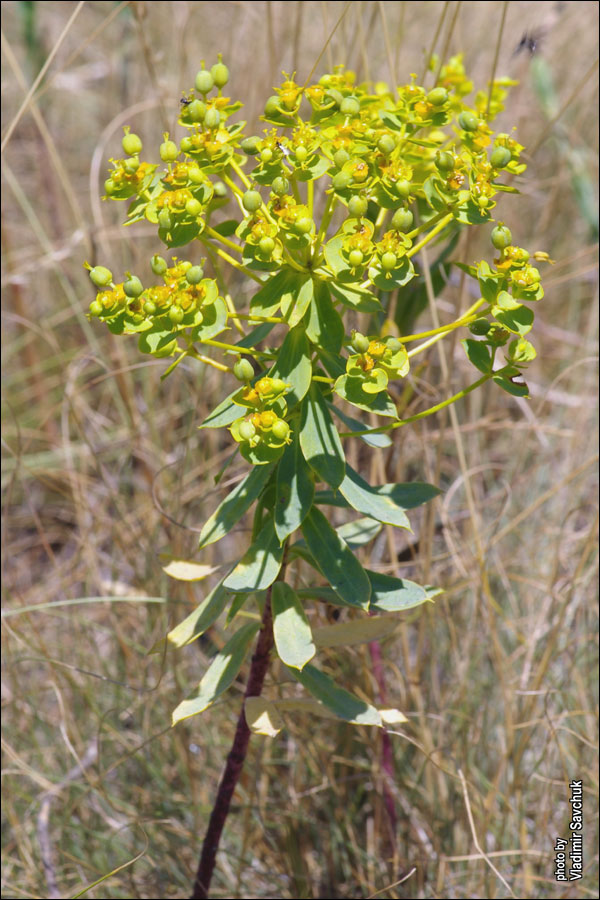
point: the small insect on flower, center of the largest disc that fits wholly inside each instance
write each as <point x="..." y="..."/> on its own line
<point x="282" y="149"/>
<point x="185" y="101"/>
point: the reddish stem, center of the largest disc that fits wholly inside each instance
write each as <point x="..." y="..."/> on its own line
<point x="236" y="758"/>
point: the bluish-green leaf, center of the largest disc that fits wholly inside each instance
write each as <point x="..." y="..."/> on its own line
<point x="335" y="560"/>
<point x="366" y="499"/>
<point x="293" y="365"/>
<point x="359" y="532"/>
<point x="479" y="354"/>
<point x="320" y="441"/>
<point x="291" y="629"/>
<point x="408" y="496"/>
<point x="295" y="490"/>
<point x="512" y="384"/>
<point x="344" y="704"/>
<point x="219" y="675"/>
<point x="390" y="594"/>
<point x="260" y="564"/>
<point x="351" y="390"/>
<point x="223" y="414"/>
<point x="324" y="327"/>
<point x="268" y="299"/>
<point x="373" y="440"/>
<point x="231" y="510"/>
<point x="200" y="619"/>
<point x="295" y="303"/>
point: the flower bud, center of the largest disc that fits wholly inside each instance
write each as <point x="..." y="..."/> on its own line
<point x="101" y="276"/>
<point x="158" y="265"/>
<point x="243" y="370"/>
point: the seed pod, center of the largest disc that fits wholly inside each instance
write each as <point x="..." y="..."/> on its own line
<point x="193" y="207"/>
<point x="149" y="308"/>
<point x="501" y="156"/>
<point x="164" y="219"/>
<point x="212" y="118"/>
<point x="301" y="153"/>
<point x="501" y="237"/>
<point x="96" y="308"/>
<point x="220" y="74"/>
<point x="272" y="106"/>
<point x="355" y="258"/>
<point x="386" y="144"/>
<point x="243" y="370"/>
<point x="280" y="186"/>
<point x="131" y="165"/>
<point x="168" y="151"/>
<point x="402" y="188"/>
<point x="303" y="225"/>
<point x="133" y="287"/>
<point x="444" y="161"/>
<point x="250" y="146"/>
<point x="402" y="219"/>
<point x="438" y="96"/>
<point x="280" y="430"/>
<point x="266" y="246"/>
<point x="247" y="430"/>
<point x="251" y="201"/>
<point x="203" y="82"/>
<point x="350" y="106"/>
<point x="359" y="342"/>
<point x="341" y="181"/>
<point x="389" y="261"/>
<point x="266" y="155"/>
<point x="468" y="121"/>
<point x="194" y="275"/>
<point x="340" y="158"/>
<point x="357" y="206"/>
<point x="158" y="265"/>
<point x="176" y="315"/>
<point x="101" y="276"/>
<point x="196" y="110"/>
<point x="132" y="144"/>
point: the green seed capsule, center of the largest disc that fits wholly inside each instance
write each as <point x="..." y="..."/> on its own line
<point x="247" y="430"/>
<point x="272" y="106"/>
<point x="158" y="265"/>
<point x="164" y="219"/>
<point x="280" y="430"/>
<point x="438" y="96"/>
<point x="278" y="385"/>
<point x="341" y="181"/>
<point x="402" y="219"/>
<point x="394" y="345"/>
<point x="388" y="261"/>
<point x="96" y="308"/>
<point x="480" y="327"/>
<point x="250" y="146"/>
<point x="212" y="119"/>
<point x="360" y="342"/>
<point x="168" y="151"/>
<point x="350" y="106"/>
<point x="386" y="144"/>
<point x="303" y="225"/>
<point x="501" y="237"/>
<point x="444" y="161"/>
<point x="340" y="158"/>
<point x="220" y="74"/>
<point x="186" y="144"/>
<point x="266" y="246"/>
<point x="131" y="165"/>
<point x="500" y="157"/>
<point x="355" y="258"/>
<point x="194" y="275"/>
<point x="109" y="186"/>
<point x="266" y="155"/>
<point x="402" y="188"/>
<point x="220" y="189"/>
<point x="149" y="308"/>
<point x="280" y="186"/>
<point x="243" y="370"/>
<point x="251" y="201"/>
<point x="301" y="153"/>
<point x="204" y="81"/>
<point x="468" y="121"/>
<point x="357" y="206"/>
<point x="176" y="315"/>
<point x="193" y="207"/>
<point x="133" y="287"/>
<point x="195" y="175"/>
<point x="131" y="144"/>
<point x="196" y="110"/>
<point x="101" y="276"/>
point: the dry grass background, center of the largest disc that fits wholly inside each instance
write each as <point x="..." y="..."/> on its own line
<point x="103" y="468"/>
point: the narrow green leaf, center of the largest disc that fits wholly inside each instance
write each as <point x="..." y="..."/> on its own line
<point x="260" y="564"/>
<point x="254" y="337"/>
<point x="351" y="390"/>
<point x="366" y="500"/>
<point x="262" y="716"/>
<point x="291" y="629"/>
<point x="391" y="594"/>
<point x="219" y="675"/>
<point x="223" y="414"/>
<point x="359" y="532"/>
<point x="344" y="704"/>
<point x="320" y="441"/>
<point x="408" y="496"/>
<point x="182" y="570"/>
<point x="231" y="510"/>
<point x="325" y="327"/>
<point x="294" y="365"/>
<point x="295" y="303"/>
<point x="335" y="560"/>
<point x="295" y="490"/>
<point x="512" y="384"/>
<point x="201" y="619"/>
<point x="357" y="631"/>
<point x="373" y="440"/>
<point x="268" y="299"/>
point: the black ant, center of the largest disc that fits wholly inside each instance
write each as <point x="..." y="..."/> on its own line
<point x="530" y="41"/>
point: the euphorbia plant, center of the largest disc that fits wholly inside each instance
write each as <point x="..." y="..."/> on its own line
<point x="326" y="210"/>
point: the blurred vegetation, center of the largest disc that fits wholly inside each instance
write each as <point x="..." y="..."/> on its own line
<point x="103" y="469"/>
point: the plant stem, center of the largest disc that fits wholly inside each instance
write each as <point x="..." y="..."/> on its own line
<point x="236" y="758"/>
